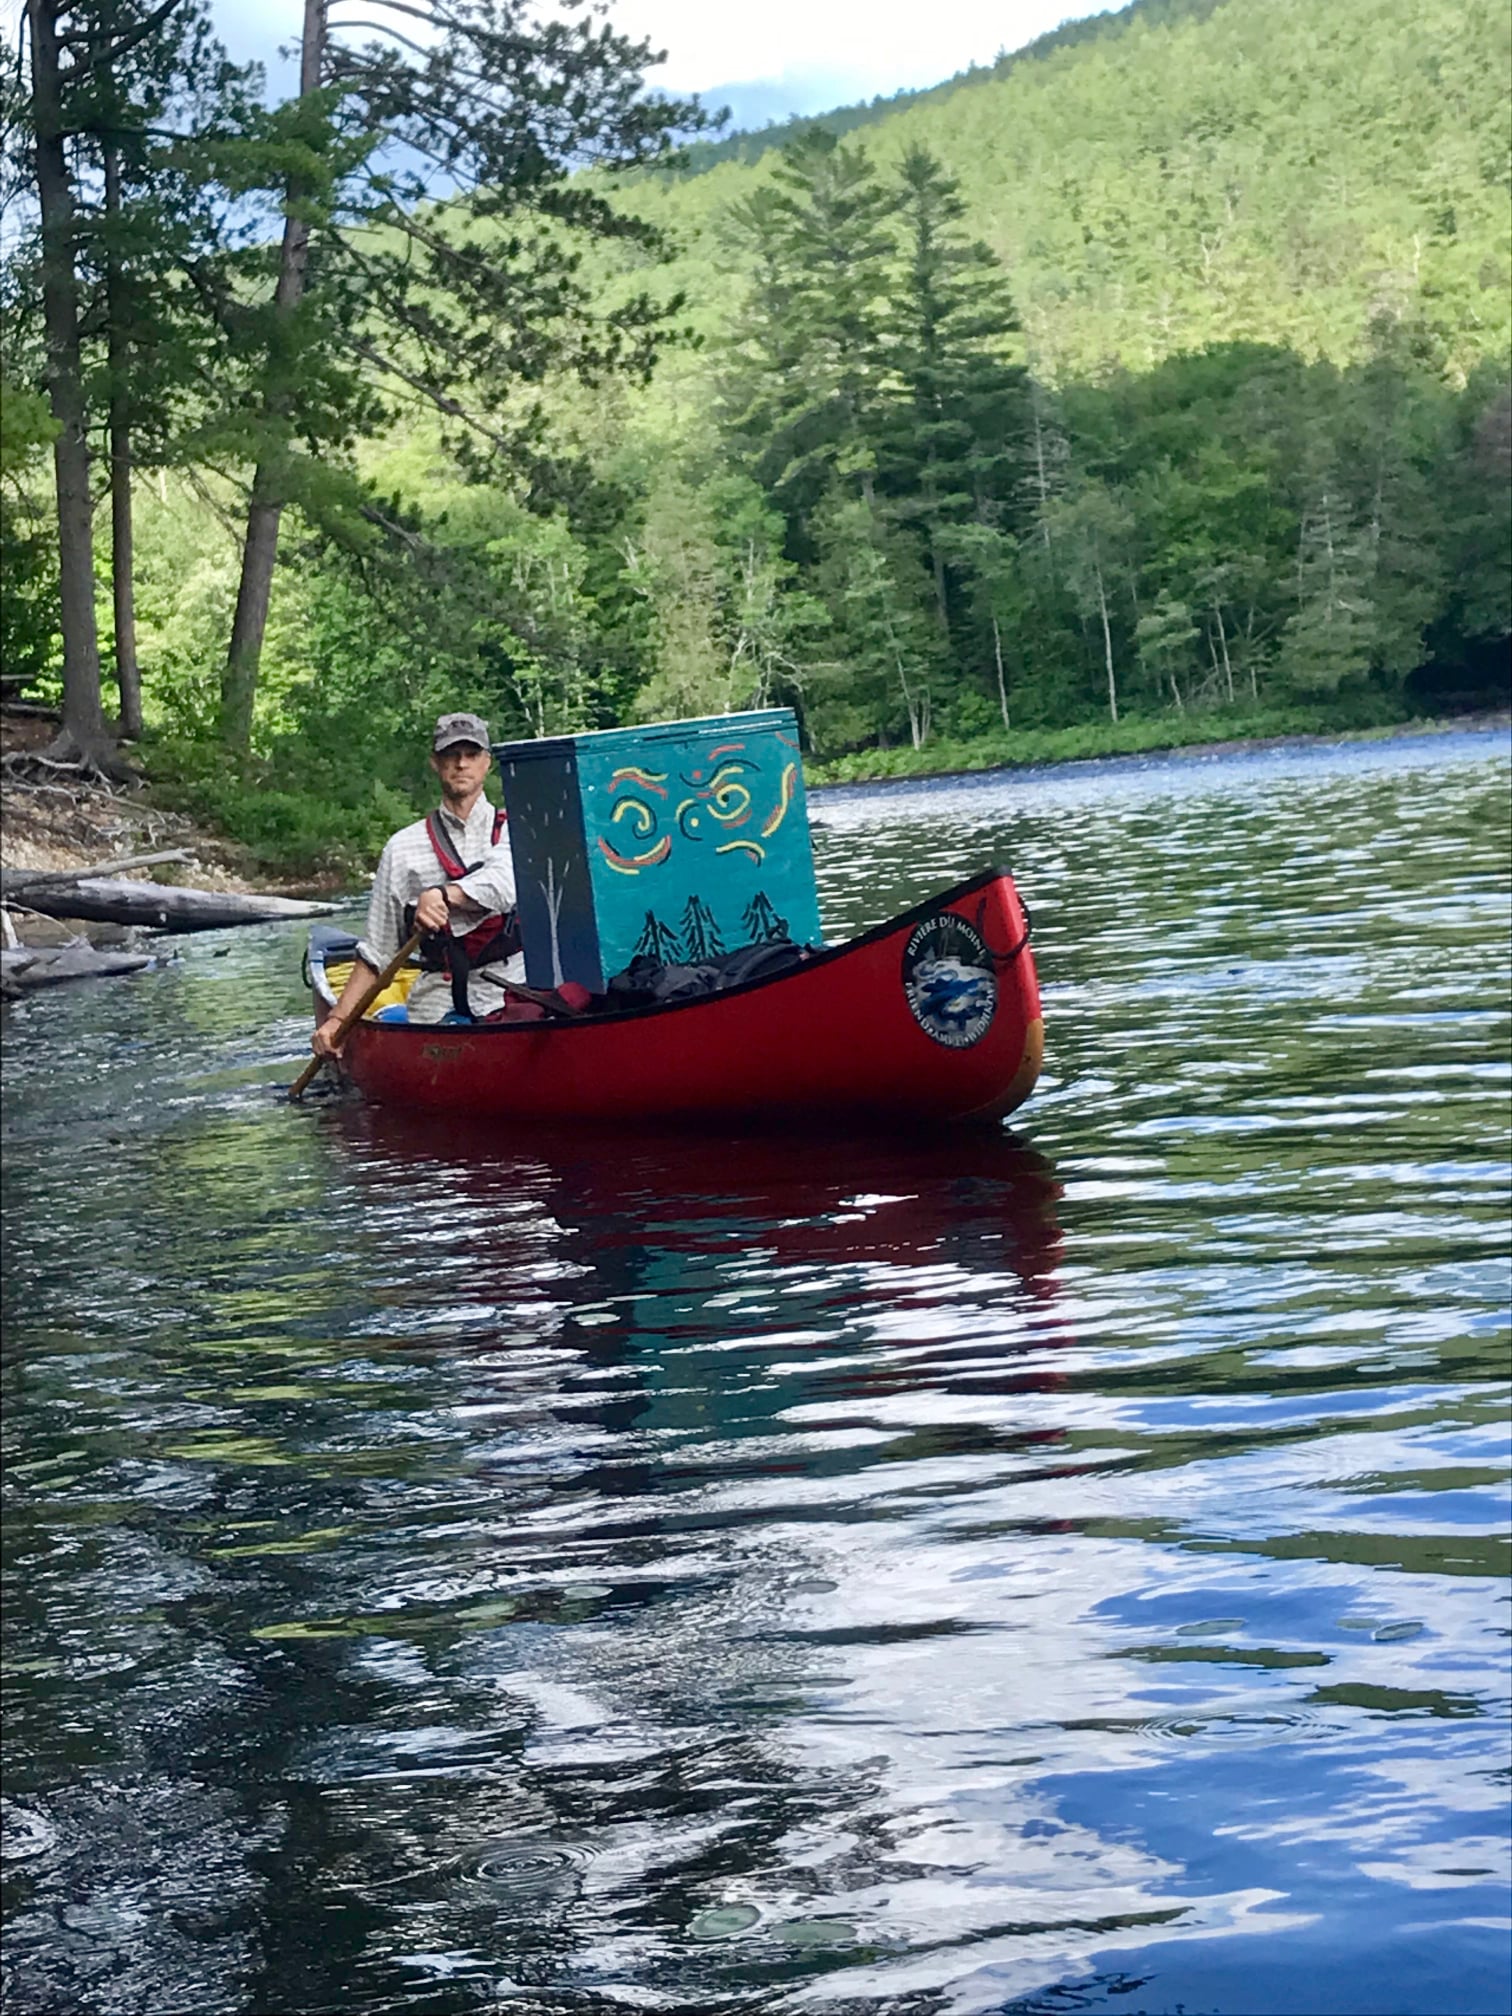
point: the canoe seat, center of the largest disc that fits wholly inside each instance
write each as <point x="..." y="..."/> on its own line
<point x="393" y="996"/>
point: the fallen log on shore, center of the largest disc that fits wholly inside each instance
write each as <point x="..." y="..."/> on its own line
<point x="160" y="906"/>
<point x="23" y="968"/>
<point x="13" y="881"/>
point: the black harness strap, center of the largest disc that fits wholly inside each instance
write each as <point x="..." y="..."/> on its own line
<point x="494" y="937"/>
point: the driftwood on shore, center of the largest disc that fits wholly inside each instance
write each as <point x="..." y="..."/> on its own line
<point x="25" y="967"/>
<point x="157" y="906"/>
<point x="14" y="882"/>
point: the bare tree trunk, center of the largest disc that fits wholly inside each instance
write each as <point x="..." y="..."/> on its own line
<point x="128" y="672"/>
<point x="1102" y="606"/>
<point x="83" y="732"/>
<point x="918" y="708"/>
<point x="997" y="652"/>
<point x="936" y="554"/>
<point x="260" y="552"/>
<point x="128" y="675"/>
<point x="1041" y="469"/>
<point x="1228" y="669"/>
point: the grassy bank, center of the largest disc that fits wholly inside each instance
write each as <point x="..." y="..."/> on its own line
<point x="1134" y="736"/>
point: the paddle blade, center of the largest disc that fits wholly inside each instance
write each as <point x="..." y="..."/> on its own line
<point x="305" y="1076"/>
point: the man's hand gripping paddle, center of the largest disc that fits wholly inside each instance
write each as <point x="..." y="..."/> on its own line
<point x="358" y="1008"/>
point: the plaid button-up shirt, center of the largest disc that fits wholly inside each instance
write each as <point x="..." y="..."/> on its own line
<point x="406" y="868"/>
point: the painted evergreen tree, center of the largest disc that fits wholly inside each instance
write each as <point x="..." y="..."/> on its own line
<point x="700" y="931"/>
<point x="658" y="941"/>
<point x="761" y="920"/>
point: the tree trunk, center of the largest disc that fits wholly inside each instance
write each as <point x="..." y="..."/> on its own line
<point x="936" y="553"/>
<point x="1043" y="488"/>
<point x="997" y="652"/>
<point x="1102" y="608"/>
<point x="128" y="675"/>
<point x="1228" y="668"/>
<point x="253" y="596"/>
<point x="83" y="732"/>
<point x="239" y="679"/>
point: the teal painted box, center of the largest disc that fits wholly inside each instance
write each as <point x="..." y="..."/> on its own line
<point x="681" y="840"/>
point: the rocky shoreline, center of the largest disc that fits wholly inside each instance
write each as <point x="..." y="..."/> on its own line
<point x="53" y="819"/>
<point x="56" y="822"/>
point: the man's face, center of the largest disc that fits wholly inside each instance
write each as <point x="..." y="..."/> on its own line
<point x="461" y="768"/>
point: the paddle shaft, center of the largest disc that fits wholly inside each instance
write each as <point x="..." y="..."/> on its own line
<point x="359" y="1008"/>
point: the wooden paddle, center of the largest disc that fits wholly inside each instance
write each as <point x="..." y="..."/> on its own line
<point x="357" y="1008"/>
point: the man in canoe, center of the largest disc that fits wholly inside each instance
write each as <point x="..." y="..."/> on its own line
<point x="452" y="875"/>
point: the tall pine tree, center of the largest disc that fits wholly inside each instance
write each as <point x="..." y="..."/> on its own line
<point x="430" y="246"/>
<point x="954" y="425"/>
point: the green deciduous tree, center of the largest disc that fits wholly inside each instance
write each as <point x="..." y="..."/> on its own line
<point x="28" y="549"/>
<point x="1092" y="530"/>
<point x="121" y="92"/>
<point x="892" y="649"/>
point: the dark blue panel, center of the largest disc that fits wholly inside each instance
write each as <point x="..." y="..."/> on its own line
<point x="550" y="858"/>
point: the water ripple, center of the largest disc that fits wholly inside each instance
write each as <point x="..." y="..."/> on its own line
<point x="447" y="1572"/>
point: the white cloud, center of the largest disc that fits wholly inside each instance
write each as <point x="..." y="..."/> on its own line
<point x="818" y="52"/>
<point x="825" y="52"/>
<point x="873" y="47"/>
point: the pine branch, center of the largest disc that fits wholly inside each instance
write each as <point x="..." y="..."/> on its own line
<point x="442" y="401"/>
<point x="102" y="54"/>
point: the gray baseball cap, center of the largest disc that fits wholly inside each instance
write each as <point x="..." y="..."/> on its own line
<point x="453" y="728"/>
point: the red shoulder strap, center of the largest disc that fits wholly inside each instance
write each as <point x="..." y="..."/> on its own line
<point x="451" y="867"/>
<point x="454" y="869"/>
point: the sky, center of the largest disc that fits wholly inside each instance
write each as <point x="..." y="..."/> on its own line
<point x="766" y="59"/>
<point x="810" y="55"/>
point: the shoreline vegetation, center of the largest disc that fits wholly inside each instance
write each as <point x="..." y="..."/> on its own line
<point x="1099" y="741"/>
<point x="93" y="820"/>
<point x="1150" y="392"/>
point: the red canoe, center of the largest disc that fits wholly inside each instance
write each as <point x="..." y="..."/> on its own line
<point x="932" y="1016"/>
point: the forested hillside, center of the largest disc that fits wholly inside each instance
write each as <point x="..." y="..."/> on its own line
<point x="1267" y="172"/>
<point x="1157" y="379"/>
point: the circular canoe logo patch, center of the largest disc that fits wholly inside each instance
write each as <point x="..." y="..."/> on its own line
<point x="949" y="981"/>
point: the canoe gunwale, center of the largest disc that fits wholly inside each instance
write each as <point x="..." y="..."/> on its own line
<point x="825" y="955"/>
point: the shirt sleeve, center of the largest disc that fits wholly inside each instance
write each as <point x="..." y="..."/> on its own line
<point x="385" y="918"/>
<point x="491" y="885"/>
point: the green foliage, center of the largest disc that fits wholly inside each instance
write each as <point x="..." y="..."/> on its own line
<point x="29" y="640"/>
<point x="1151" y="387"/>
<point x="26" y="427"/>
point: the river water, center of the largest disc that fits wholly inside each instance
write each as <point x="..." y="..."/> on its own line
<point x="1057" y="1571"/>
